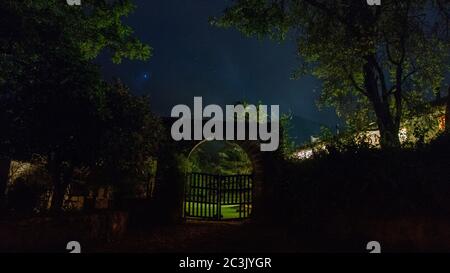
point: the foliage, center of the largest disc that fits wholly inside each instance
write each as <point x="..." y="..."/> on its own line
<point x="287" y="143"/>
<point x="129" y="140"/>
<point x="47" y="47"/>
<point x="365" y="183"/>
<point x="55" y="113"/>
<point x="220" y="158"/>
<point x="423" y="126"/>
<point x="374" y="61"/>
<point x="88" y="124"/>
<point x="28" y="183"/>
<point x="53" y="100"/>
<point x="420" y="129"/>
<point x="33" y="25"/>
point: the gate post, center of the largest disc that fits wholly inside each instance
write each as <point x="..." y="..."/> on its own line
<point x="219" y="195"/>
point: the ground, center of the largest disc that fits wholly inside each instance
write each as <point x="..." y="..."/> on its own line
<point x="45" y="234"/>
<point x="189" y="236"/>
<point x="225" y="237"/>
<point x="201" y="237"/>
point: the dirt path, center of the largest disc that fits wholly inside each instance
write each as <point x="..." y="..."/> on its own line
<point x="204" y="237"/>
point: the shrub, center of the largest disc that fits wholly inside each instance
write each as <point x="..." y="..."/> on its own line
<point x="366" y="181"/>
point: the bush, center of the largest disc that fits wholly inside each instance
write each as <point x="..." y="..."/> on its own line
<point x="359" y="181"/>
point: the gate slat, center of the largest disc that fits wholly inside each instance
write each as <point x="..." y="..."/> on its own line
<point x="249" y="193"/>
<point x="236" y="189"/>
<point x="205" y="194"/>
<point x="219" y="196"/>
<point x="197" y="178"/>
<point x="250" y="196"/>
<point x="232" y="191"/>
<point x="246" y="197"/>
<point x="208" y="194"/>
<point x="239" y="196"/>
<point x="189" y="193"/>
<point x="200" y="203"/>
<point x="185" y="200"/>
<point x="211" y="197"/>
<point x="200" y="195"/>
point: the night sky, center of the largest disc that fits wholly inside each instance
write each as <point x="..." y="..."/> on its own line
<point x="192" y="58"/>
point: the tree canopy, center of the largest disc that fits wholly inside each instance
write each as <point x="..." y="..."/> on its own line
<point x="220" y="158"/>
<point x="48" y="44"/>
<point x="54" y="102"/>
<point x="28" y="26"/>
<point x="376" y="62"/>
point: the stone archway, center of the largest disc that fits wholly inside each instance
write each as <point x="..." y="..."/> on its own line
<point x="259" y="163"/>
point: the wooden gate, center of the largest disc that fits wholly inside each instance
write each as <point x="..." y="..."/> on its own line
<point x="217" y="197"/>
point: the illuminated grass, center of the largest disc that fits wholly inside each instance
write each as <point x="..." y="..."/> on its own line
<point x="227" y="211"/>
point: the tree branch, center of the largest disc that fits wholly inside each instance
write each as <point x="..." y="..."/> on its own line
<point x="332" y="13"/>
<point x="356" y="86"/>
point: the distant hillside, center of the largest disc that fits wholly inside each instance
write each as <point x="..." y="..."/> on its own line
<point x="302" y="129"/>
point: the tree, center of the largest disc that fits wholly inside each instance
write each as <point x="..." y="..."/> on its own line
<point x="29" y="26"/>
<point x="216" y="157"/>
<point x="47" y="47"/>
<point x="58" y="116"/>
<point x="374" y="61"/>
<point x="129" y="141"/>
<point x="447" y="113"/>
<point x="75" y="120"/>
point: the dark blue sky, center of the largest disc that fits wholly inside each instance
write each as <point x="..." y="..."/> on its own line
<point x="192" y="58"/>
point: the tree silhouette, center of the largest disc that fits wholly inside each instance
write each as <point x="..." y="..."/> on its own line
<point x="374" y="61"/>
<point x="50" y="92"/>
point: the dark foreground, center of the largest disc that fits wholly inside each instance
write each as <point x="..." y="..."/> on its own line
<point x="187" y="237"/>
<point x="224" y="237"/>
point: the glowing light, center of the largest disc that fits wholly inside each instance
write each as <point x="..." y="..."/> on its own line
<point x="304" y="154"/>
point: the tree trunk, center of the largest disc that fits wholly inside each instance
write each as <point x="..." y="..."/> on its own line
<point x="388" y="134"/>
<point x="386" y="124"/>
<point x="58" y="193"/>
<point x="388" y="129"/>
<point x="5" y="165"/>
<point x="55" y="170"/>
<point x="447" y="113"/>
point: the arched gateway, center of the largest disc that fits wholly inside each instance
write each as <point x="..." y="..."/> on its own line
<point x="204" y="195"/>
